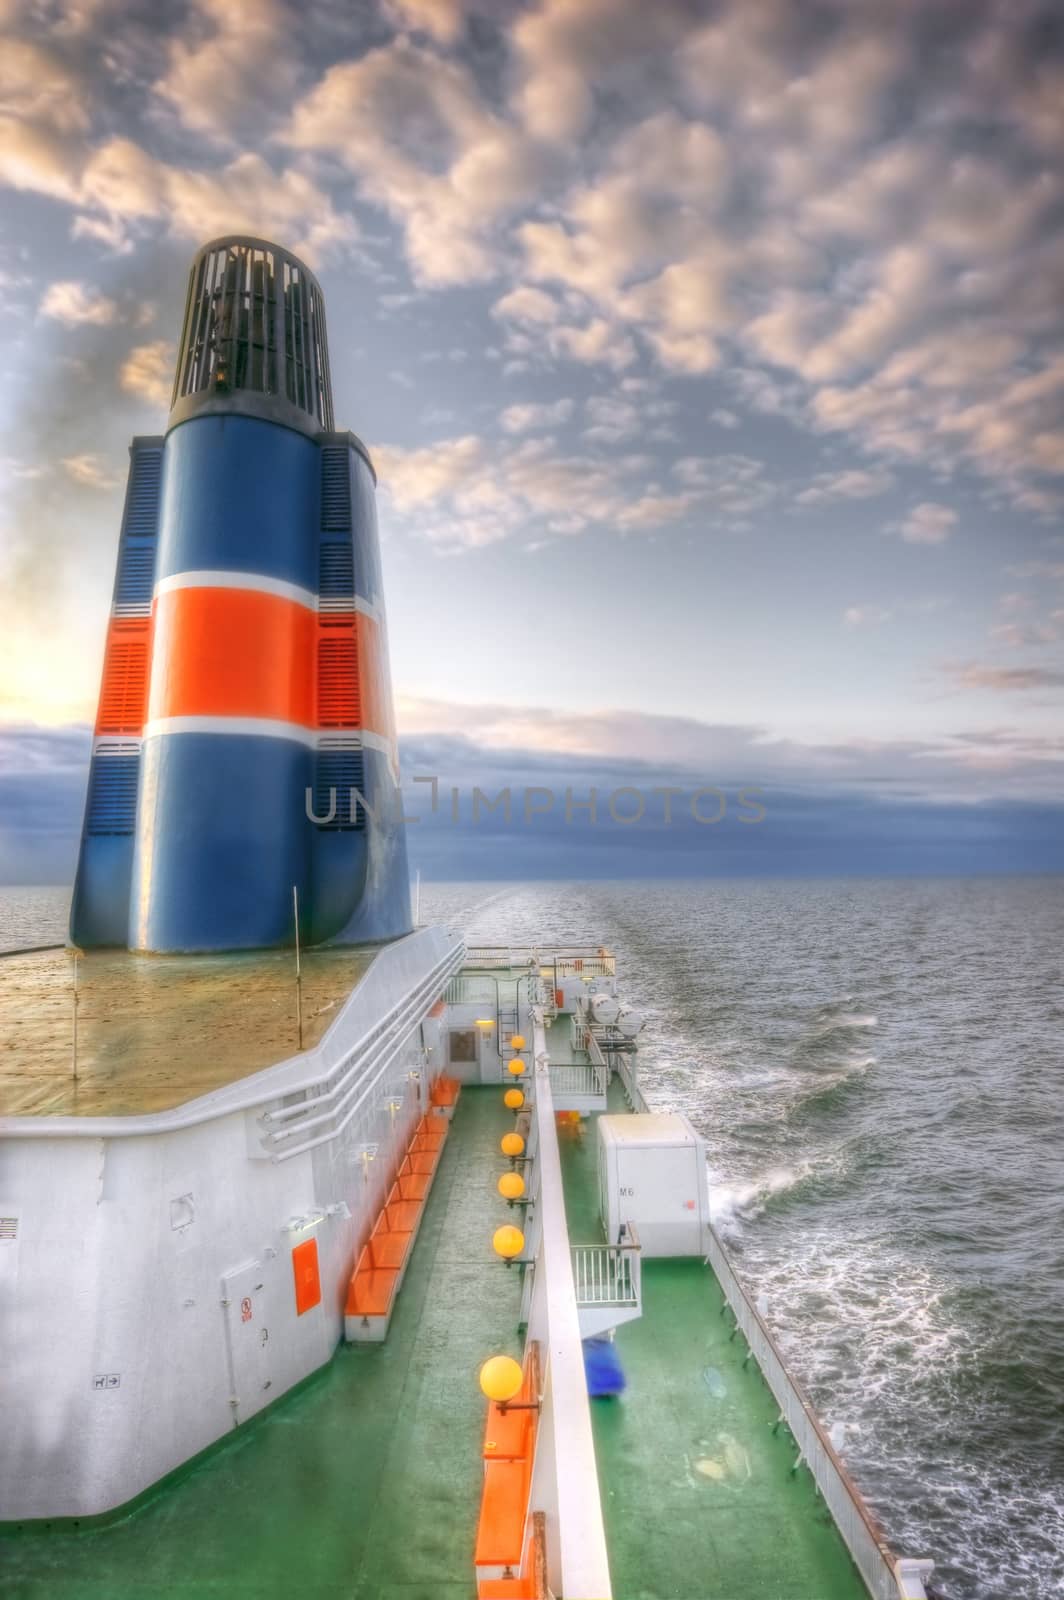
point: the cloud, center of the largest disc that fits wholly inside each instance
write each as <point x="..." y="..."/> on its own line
<point x="73" y="303"/>
<point x="525" y="304"/>
<point x="927" y="523"/>
<point x="89" y="471"/>
<point x="865" y="616"/>
<point x="496" y="735"/>
<point x="148" y="372"/>
<point x="598" y="341"/>
<point x="1007" y="680"/>
<point x="36" y="159"/>
<point x="466" y="492"/>
<point x="123" y="186"/>
<point x="235" y="65"/>
<point x="567" y="48"/>
<point x="442" y="19"/>
<point x="611" y="419"/>
<point x="723" y="417"/>
<point x="525" y="418"/>
<point x="853" y="483"/>
<point x="423" y="143"/>
<point x="39" y="88"/>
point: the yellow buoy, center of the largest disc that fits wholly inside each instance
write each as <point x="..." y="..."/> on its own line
<point x="501" y="1378"/>
<point x="514" y="1099"/>
<point x="511" y="1186"/>
<point x="508" y="1241"/>
<point x="517" y="1042"/>
<point x="515" y="1067"/>
<point x="512" y="1144"/>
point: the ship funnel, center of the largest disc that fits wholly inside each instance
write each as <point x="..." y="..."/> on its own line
<point x="245" y="741"/>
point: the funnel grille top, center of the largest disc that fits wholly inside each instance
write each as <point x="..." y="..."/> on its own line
<point x="253" y="338"/>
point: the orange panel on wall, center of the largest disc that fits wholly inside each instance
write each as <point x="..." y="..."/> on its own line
<point x="307" y="1278"/>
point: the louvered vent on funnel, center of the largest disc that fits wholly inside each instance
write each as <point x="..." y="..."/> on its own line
<point x="335" y="489"/>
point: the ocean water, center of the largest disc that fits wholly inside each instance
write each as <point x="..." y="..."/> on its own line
<point x="878" y="1068"/>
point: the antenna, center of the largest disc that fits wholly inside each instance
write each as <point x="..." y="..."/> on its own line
<point x="74" y="1039"/>
<point x="299" y="968"/>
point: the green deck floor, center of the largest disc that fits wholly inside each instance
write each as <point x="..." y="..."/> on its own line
<point x="697" y="1490"/>
<point x="365" y="1483"/>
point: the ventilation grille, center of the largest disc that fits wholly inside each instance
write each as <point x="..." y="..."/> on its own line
<point x="8" y="1228"/>
<point x="336" y="576"/>
<point x="335" y="489"/>
<point x="338" y="697"/>
<point x="124" y="694"/>
<point x="336" y="773"/>
<point x="112" y="794"/>
<point x="136" y="579"/>
<point x="141" y="517"/>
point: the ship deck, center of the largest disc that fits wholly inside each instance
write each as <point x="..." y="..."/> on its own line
<point x="698" y="1494"/>
<point x="155" y="1031"/>
<point x="364" y="1484"/>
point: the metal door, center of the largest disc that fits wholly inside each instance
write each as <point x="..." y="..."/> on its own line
<point x="247" y="1339"/>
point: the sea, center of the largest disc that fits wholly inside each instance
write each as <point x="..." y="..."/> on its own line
<point x="878" y="1070"/>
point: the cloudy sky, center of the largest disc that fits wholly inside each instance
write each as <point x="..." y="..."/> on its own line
<point x="711" y="355"/>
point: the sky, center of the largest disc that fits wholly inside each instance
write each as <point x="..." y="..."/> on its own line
<point x="711" y="356"/>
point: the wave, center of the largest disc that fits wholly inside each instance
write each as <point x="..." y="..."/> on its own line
<point x="844" y="1021"/>
<point x="731" y="1204"/>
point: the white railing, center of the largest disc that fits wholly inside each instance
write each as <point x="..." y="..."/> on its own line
<point x="583" y="1078"/>
<point x="607" y="1274"/>
<point x="589" y="961"/>
<point x="885" y="1577"/>
<point x="469" y="988"/>
<point x="565" y="1482"/>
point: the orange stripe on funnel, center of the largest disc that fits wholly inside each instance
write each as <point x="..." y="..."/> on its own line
<point x="232" y="653"/>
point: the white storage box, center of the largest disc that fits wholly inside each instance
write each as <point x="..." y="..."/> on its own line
<point x="652" y="1171"/>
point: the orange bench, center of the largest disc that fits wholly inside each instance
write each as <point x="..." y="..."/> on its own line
<point x="372" y="1289"/>
<point x="502" y="1532"/>
<point x="444" y="1094"/>
<point x="383" y="1260"/>
<point x="503" y="1516"/>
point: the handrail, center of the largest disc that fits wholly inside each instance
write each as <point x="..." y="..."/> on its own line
<point x="884" y="1576"/>
<point x="353" y="1089"/>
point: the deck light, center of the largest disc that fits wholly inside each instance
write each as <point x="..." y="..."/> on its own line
<point x="508" y="1242"/>
<point x="513" y="1099"/>
<point x="515" y="1067"/>
<point x="517" y="1041"/>
<point x="511" y="1186"/>
<point x="501" y="1378"/>
<point x="485" y="1023"/>
<point x="512" y="1144"/>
